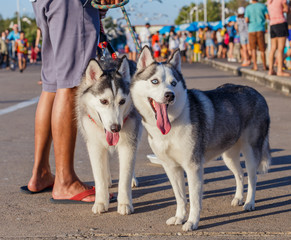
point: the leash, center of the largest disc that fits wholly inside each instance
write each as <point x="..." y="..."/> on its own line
<point x="95" y="4"/>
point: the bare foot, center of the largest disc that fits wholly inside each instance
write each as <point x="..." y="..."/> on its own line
<point x="39" y="182"/>
<point x="67" y="191"/>
<point x="271" y="72"/>
<point x="283" y="74"/>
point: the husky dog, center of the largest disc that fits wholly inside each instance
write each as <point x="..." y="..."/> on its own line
<point x="107" y="118"/>
<point x="188" y="127"/>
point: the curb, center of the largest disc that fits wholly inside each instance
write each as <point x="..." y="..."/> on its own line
<point x="282" y="84"/>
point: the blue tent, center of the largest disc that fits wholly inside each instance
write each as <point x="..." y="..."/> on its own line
<point x="165" y="29"/>
<point x="191" y="27"/>
<point x="215" y="25"/>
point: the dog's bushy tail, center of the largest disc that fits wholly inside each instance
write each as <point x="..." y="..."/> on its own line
<point x="266" y="157"/>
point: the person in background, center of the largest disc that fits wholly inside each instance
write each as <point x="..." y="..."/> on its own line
<point x="201" y="39"/>
<point x="182" y="45"/>
<point x="21" y="47"/>
<point x="237" y="48"/>
<point x="173" y="41"/>
<point x="155" y="37"/>
<point x="145" y="36"/>
<point x="190" y="41"/>
<point x="164" y="52"/>
<point x="279" y="32"/>
<point x="12" y="37"/>
<point x="231" y="34"/>
<point x="225" y="43"/>
<point x="242" y="29"/>
<point x="219" y="39"/>
<point x="288" y="53"/>
<point x="157" y="50"/>
<point x="131" y="48"/>
<point x="255" y="15"/>
<point x="209" y="43"/>
<point x="4" y="51"/>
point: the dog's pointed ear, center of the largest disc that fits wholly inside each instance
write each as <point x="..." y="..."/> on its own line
<point x="145" y="58"/>
<point x="93" y="72"/>
<point x="175" y="60"/>
<point x="123" y="69"/>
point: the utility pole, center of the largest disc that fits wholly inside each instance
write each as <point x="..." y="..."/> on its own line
<point x="222" y="12"/>
<point x="18" y="16"/>
<point x="196" y="11"/>
<point x="205" y="10"/>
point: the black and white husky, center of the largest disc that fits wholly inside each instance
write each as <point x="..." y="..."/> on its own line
<point x="189" y="127"/>
<point x="108" y="119"/>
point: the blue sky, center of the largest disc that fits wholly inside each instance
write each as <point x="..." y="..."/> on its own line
<point x="141" y="11"/>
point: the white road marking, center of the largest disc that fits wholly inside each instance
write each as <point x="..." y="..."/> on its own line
<point x="19" y="106"/>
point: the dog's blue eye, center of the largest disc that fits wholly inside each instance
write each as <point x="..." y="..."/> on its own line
<point x="155" y="81"/>
<point x="174" y="83"/>
<point x="104" y="101"/>
<point x="122" y="101"/>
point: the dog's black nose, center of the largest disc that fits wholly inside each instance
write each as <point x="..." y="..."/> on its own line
<point x="169" y="96"/>
<point x="115" y="128"/>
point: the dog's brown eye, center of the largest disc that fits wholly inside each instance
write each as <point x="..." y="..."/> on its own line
<point x="104" y="101"/>
<point x="122" y="101"/>
<point x="174" y="83"/>
<point x="155" y="81"/>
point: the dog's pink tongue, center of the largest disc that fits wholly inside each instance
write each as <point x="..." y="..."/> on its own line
<point x="112" y="138"/>
<point x="163" y="122"/>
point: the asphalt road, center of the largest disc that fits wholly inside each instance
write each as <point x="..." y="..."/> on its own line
<point x="33" y="216"/>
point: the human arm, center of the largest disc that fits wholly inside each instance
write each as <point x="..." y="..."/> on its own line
<point x="267" y="16"/>
<point x="247" y="17"/>
<point x="38" y="33"/>
<point x="285" y="7"/>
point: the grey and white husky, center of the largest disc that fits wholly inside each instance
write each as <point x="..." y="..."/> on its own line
<point x="187" y="127"/>
<point x="107" y="119"/>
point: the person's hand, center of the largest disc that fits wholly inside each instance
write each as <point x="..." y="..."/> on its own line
<point x="36" y="49"/>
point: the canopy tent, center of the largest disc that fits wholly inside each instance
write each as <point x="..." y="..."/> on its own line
<point x="194" y="26"/>
<point x="215" y="25"/>
<point x="165" y="29"/>
<point x="191" y="27"/>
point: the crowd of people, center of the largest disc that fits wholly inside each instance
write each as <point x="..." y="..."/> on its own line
<point x="237" y="41"/>
<point x="15" y="50"/>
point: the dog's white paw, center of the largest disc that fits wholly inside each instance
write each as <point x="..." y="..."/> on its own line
<point x="125" y="209"/>
<point x="174" y="221"/>
<point x="189" y="226"/>
<point x="249" y="206"/>
<point x="236" y="202"/>
<point x="134" y="182"/>
<point x="99" y="208"/>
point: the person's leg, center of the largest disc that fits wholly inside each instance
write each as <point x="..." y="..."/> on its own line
<point x="23" y="63"/>
<point x="64" y="130"/>
<point x="254" y="59"/>
<point x="41" y="173"/>
<point x="263" y="56"/>
<point x="230" y="50"/>
<point x="134" y="56"/>
<point x="212" y="50"/>
<point x="20" y="62"/>
<point x="281" y="46"/>
<point x="274" y="45"/>
<point x="245" y="61"/>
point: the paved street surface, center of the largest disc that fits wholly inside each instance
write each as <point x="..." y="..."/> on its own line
<point x="34" y="217"/>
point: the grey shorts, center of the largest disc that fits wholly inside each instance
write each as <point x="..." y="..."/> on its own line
<point x="70" y="33"/>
